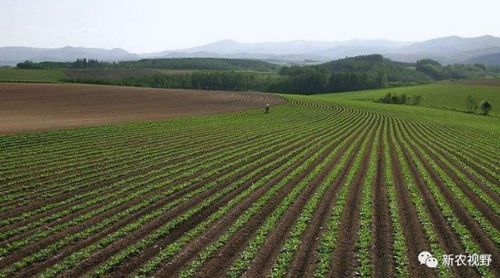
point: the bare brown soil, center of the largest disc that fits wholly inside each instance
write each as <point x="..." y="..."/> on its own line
<point x="27" y="107"/>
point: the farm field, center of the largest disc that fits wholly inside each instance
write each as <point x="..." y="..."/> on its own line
<point x="447" y="95"/>
<point x="107" y="74"/>
<point x="47" y="106"/>
<point x="30" y="75"/>
<point x="322" y="186"/>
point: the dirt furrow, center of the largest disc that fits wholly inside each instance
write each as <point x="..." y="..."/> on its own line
<point x="263" y="262"/>
<point x="344" y="256"/>
<point x="305" y="258"/>
<point x="107" y="181"/>
<point x="414" y="234"/>
<point x="382" y="249"/>
<point x="174" y="265"/>
<point x="487" y="212"/>
<point x="477" y="181"/>
<point x="144" y="230"/>
<point x="219" y="264"/>
<point x="448" y="239"/>
<point x="478" y="235"/>
<point x="111" y="211"/>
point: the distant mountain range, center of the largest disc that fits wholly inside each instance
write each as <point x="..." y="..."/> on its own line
<point x="447" y="50"/>
<point x="14" y="55"/>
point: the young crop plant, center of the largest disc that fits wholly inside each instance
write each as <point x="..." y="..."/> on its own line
<point x="175" y="247"/>
<point x="365" y="239"/>
<point x="399" y="245"/>
<point x="191" y="269"/>
<point x="462" y="231"/>
<point x="418" y="202"/>
<point x="294" y="238"/>
<point x="207" y="253"/>
<point x="167" y="227"/>
<point x="251" y="251"/>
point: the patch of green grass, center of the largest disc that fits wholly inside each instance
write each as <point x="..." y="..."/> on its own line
<point x="31" y="75"/>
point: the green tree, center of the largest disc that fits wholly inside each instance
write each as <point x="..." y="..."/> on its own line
<point x="485" y="107"/>
<point x="471" y="104"/>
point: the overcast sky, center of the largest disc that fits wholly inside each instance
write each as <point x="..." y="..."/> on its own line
<point x="155" y="25"/>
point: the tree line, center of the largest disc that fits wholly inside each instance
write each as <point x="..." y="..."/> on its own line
<point x="166" y="63"/>
<point x="456" y="71"/>
<point x="198" y="80"/>
<point x="349" y="74"/>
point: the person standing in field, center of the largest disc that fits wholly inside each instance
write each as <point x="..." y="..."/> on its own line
<point x="267" y="108"/>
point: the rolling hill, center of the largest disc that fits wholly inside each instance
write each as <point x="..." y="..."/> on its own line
<point x="488" y="59"/>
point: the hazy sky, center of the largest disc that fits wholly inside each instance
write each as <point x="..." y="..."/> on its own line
<point x="155" y="25"/>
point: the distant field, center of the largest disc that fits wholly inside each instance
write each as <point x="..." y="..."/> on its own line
<point x="484" y="82"/>
<point x="444" y="95"/>
<point x="107" y="74"/>
<point x="48" y="106"/>
<point x="13" y="74"/>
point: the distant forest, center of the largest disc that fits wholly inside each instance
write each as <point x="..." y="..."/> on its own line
<point x="349" y="74"/>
